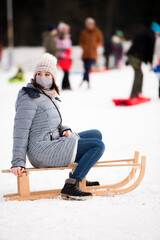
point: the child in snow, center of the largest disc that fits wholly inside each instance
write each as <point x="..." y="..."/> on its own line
<point x="63" y="41"/>
<point x="39" y="133"/>
<point x="19" y="77"/>
<point x="117" y="47"/>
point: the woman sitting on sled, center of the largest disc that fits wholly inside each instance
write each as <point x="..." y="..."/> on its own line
<point x="39" y="133"/>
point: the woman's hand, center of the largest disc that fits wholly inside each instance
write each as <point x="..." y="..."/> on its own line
<point x="17" y="171"/>
<point x="66" y="133"/>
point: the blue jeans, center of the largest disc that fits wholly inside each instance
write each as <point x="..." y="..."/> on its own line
<point x="87" y="66"/>
<point x="90" y="149"/>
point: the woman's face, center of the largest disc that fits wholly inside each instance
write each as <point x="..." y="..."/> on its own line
<point x="43" y="74"/>
<point x="44" y="79"/>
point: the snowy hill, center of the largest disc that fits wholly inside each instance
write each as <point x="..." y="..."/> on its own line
<point x="134" y="216"/>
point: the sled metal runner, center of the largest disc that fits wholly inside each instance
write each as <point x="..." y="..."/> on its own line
<point x="128" y="184"/>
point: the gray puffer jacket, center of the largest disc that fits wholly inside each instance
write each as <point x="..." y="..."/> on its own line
<point x="37" y="133"/>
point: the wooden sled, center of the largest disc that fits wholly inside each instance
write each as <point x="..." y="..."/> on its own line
<point x="125" y="186"/>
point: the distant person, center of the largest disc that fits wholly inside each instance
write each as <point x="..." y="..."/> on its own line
<point x="90" y="39"/>
<point x="156" y="69"/>
<point x="156" y="62"/>
<point x="108" y="50"/>
<point x="117" y="47"/>
<point x="64" y="42"/>
<point x="1" y="51"/>
<point x="142" y="50"/>
<point x="19" y="77"/>
<point x="49" y="42"/>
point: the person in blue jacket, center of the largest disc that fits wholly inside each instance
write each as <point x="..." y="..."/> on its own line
<point x="157" y="71"/>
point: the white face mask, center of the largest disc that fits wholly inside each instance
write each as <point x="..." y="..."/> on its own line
<point x="45" y="82"/>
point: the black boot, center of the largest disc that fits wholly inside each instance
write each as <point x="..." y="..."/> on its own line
<point x="65" y="81"/>
<point x="89" y="183"/>
<point x="71" y="190"/>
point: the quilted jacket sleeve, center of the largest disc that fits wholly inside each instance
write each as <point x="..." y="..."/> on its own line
<point x="25" y="111"/>
<point x="64" y="128"/>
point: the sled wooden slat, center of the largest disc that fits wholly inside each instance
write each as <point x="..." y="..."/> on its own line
<point x="71" y="166"/>
<point x="24" y="193"/>
<point x="123" y="160"/>
<point x="128" y="178"/>
<point x="117" y="165"/>
<point x="34" y="195"/>
<point x="110" y="190"/>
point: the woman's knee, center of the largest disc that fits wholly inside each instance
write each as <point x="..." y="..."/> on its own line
<point x="100" y="144"/>
<point x="93" y="133"/>
<point x="98" y="134"/>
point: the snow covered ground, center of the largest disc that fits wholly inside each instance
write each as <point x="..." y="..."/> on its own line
<point x="134" y="216"/>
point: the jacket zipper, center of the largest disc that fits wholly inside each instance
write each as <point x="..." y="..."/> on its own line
<point x="55" y="107"/>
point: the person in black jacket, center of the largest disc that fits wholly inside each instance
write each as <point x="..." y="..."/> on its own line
<point x="142" y="50"/>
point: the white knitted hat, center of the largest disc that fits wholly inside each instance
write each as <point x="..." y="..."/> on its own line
<point x="47" y="63"/>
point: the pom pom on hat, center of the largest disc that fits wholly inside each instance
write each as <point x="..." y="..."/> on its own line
<point x="120" y="33"/>
<point x="51" y="27"/>
<point x="155" y="27"/>
<point x="47" y="63"/>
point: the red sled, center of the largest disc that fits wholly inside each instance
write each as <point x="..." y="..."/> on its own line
<point x="98" y="70"/>
<point x="130" y="101"/>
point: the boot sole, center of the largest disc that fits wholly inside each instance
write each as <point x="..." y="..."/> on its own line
<point x="78" y="198"/>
